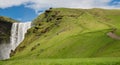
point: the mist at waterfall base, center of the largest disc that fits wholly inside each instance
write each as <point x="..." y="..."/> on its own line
<point x="18" y="31"/>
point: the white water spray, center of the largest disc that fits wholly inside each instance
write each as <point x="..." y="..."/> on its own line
<point x="18" y="31"/>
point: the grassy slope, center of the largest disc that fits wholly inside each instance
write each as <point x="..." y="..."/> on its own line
<point x="71" y="33"/>
<point x="70" y="61"/>
<point x="6" y="19"/>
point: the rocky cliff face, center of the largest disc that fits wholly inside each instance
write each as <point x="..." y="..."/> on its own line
<point x="5" y="28"/>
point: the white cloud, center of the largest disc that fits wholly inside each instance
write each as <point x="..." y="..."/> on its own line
<point x="38" y="5"/>
<point x="44" y="4"/>
<point x="10" y="3"/>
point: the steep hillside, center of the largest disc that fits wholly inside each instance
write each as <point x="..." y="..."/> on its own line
<point x="72" y="33"/>
<point x="5" y="28"/>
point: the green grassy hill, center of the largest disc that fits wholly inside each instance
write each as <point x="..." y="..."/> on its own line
<point x="63" y="33"/>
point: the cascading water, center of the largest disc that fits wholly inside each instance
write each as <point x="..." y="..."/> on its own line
<point x="18" y="31"/>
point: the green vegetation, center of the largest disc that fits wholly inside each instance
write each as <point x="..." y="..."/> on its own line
<point x="6" y="19"/>
<point x="70" y="61"/>
<point x="64" y="36"/>
<point x="5" y="28"/>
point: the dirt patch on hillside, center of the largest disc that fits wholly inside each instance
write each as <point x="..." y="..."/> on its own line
<point x="113" y="35"/>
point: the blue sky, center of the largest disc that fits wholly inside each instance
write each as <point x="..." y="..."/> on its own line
<point x="20" y="13"/>
<point x="28" y="10"/>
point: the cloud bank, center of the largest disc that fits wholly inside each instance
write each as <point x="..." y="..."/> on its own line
<point x="38" y="5"/>
<point x="10" y="3"/>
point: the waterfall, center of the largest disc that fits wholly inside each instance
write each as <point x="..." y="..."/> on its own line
<point x="18" y="31"/>
<point x="4" y="50"/>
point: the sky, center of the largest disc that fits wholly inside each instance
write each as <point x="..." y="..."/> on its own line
<point x="28" y="10"/>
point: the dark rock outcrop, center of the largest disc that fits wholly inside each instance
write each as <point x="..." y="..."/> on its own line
<point x="5" y="28"/>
